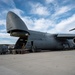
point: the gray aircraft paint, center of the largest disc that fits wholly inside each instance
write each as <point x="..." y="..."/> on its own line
<point x="39" y="40"/>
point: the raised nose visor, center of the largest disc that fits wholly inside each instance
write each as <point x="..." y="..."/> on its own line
<point x="15" y="26"/>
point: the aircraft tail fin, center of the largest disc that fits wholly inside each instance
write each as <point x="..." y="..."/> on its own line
<point x="15" y="26"/>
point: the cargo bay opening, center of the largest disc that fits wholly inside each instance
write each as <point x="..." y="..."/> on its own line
<point x="20" y="44"/>
<point x="19" y="47"/>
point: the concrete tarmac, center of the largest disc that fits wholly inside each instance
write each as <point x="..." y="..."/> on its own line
<point x="44" y="63"/>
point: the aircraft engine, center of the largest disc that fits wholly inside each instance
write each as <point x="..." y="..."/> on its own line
<point x="74" y="40"/>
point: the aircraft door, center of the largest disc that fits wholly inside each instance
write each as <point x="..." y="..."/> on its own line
<point x="31" y="43"/>
<point x="32" y="46"/>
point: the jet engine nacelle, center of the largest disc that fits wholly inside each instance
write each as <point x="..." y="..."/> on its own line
<point x="74" y="40"/>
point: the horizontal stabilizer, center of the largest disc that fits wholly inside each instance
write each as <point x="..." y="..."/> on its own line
<point x="72" y="29"/>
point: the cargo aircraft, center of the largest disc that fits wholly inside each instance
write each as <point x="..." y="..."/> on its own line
<point x="34" y="40"/>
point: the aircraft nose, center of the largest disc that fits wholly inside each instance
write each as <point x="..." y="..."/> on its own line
<point x="15" y="24"/>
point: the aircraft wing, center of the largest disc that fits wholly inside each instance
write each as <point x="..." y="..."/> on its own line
<point x="65" y="36"/>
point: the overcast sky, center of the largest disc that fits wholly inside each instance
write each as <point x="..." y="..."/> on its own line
<point x="52" y="16"/>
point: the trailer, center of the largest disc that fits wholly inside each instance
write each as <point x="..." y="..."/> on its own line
<point x="3" y="49"/>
